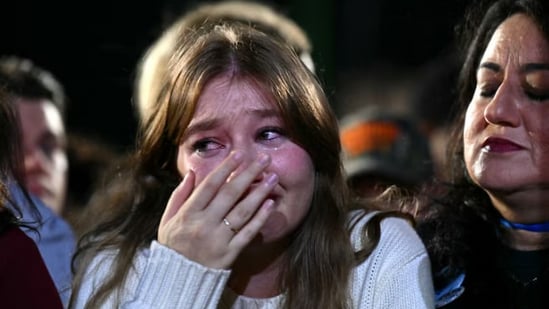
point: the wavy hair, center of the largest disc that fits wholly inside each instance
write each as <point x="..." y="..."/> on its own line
<point x="316" y="275"/>
<point x="11" y="169"/>
<point x="460" y="228"/>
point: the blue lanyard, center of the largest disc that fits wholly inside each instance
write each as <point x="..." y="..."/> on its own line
<point x="534" y="227"/>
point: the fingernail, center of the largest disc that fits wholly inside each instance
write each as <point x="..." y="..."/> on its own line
<point x="272" y="179"/>
<point x="269" y="204"/>
<point x="237" y="155"/>
<point x="264" y="159"/>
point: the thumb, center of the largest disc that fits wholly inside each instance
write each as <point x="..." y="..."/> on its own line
<point x="178" y="197"/>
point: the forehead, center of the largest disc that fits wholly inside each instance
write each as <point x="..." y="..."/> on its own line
<point x="39" y="113"/>
<point x="231" y="94"/>
<point x="519" y="38"/>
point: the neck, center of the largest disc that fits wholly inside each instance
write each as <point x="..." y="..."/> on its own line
<point x="528" y="205"/>
<point x="524" y="240"/>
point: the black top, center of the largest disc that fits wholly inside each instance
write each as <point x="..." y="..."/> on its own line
<point x="516" y="280"/>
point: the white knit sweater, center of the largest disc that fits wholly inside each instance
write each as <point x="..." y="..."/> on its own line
<point x="396" y="275"/>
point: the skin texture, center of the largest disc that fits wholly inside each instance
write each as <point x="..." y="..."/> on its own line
<point x="238" y="164"/>
<point x="506" y="133"/>
<point x="45" y="159"/>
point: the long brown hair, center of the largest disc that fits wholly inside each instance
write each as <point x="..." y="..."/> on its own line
<point x="11" y="169"/>
<point x="316" y="274"/>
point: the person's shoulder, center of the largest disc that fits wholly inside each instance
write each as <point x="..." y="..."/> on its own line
<point x="103" y="261"/>
<point x="49" y="222"/>
<point x="100" y="265"/>
<point x="389" y="221"/>
<point x="21" y="247"/>
<point x="56" y="227"/>
<point x="395" y="233"/>
<point x="52" y="228"/>
<point x="13" y="237"/>
<point x="22" y="266"/>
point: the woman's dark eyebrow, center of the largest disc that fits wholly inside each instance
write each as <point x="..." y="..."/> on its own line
<point x="200" y="126"/>
<point x="529" y="67"/>
<point x="490" y="66"/>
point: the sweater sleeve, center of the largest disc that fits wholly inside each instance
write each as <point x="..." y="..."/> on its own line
<point x="160" y="278"/>
<point x="397" y="274"/>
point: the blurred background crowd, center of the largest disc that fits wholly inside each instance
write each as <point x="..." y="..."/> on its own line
<point x="364" y="50"/>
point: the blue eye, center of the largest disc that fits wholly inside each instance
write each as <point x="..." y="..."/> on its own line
<point x="269" y="134"/>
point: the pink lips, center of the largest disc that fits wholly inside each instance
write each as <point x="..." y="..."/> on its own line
<point x="500" y="145"/>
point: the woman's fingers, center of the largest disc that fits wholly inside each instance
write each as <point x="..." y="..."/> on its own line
<point x="211" y="185"/>
<point x="238" y="187"/>
<point x="178" y="197"/>
<point x="212" y="222"/>
<point x="247" y="233"/>
<point x="248" y="206"/>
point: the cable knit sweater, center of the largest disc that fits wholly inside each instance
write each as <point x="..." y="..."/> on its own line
<point x="396" y="275"/>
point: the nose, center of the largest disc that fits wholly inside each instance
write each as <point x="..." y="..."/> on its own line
<point x="250" y="155"/>
<point x="503" y="108"/>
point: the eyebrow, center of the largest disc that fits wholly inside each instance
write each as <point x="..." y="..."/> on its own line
<point x="264" y="113"/>
<point x="529" y="67"/>
<point x="490" y="66"/>
<point x="205" y="125"/>
<point x="208" y="124"/>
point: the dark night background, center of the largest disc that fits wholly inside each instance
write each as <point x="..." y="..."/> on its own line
<point x="92" y="47"/>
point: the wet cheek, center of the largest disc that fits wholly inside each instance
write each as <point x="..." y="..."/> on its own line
<point x="202" y="170"/>
<point x="294" y="166"/>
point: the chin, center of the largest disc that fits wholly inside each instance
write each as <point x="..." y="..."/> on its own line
<point x="506" y="185"/>
<point x="271" y="232"/>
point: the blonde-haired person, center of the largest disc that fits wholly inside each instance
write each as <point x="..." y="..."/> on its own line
<point x="152" y="66"/>
<point x="237" y="199"/>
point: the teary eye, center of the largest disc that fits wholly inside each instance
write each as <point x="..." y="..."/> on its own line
<point x="205" y="145"/>
<point x="487" y="91"/>
<point x="270" y="133"/>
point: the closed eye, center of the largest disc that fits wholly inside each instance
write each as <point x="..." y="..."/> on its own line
<point x="487" y="91"/>
<point x="537" y="96"/>
<point x="487" y="94"/>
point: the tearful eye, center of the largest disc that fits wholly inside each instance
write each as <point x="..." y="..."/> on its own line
<point x="487" y="85"/>
<point x="487" y="92"/>
<point x="537" y="96"/>
<point x="205" y="145"/>
<point x="270" y="134"/>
